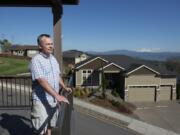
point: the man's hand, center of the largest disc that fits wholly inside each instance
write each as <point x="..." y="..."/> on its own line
<point x="69" y="90"/>
<point x="61" y="99"/>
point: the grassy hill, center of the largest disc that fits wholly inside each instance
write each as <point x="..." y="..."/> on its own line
<point x="13" y="66"/>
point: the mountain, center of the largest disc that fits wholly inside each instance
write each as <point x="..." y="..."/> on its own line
<point x="159" y="56"/>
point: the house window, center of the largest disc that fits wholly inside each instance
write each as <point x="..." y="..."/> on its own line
<point x="87" y="77"/>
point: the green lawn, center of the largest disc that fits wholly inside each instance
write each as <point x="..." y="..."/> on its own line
<point x="13" y="66"/>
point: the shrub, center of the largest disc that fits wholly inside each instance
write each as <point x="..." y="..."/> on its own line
<point x="115" y="103"/>
<point x="77" y="92"/>
<point x="115" y="93"/>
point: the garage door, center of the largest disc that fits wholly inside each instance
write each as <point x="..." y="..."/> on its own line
<point x="138" y="94"/>
<point x="165" y="93"/>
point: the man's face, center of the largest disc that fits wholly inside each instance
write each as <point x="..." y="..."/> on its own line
<point x="46" y="45"/>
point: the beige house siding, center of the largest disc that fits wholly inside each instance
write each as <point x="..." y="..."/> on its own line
<point x="166" y="81"/>
<point x="142" y="80"/>
<point x="165" y="87"/>
<point x="141" y="85"/>
<point x="112" y="69"/>
<point x="78" y="78"/>
<point x="142" y="76"/>
<point x="143" y="71"/>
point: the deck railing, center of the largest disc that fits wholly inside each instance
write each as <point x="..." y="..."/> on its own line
<point x="15" y="92"/>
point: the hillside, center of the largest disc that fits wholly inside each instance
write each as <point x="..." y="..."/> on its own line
<point x="159" y="56"/>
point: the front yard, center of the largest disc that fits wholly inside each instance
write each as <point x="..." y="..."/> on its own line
<point x="110" y="102"/>
<point x="13" y="66"/>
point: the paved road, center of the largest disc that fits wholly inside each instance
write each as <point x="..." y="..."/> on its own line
<point x="164" y="114"/>
<point x="86" y="125"/>
<point x="17" y="122"/>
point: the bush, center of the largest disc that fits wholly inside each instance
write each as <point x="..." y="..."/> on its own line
<point x="115" y="93"/>
<point x="115" y="103"/>
<point x="79" y="92"/>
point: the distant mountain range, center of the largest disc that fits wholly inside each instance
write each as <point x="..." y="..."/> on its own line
<point x="159" y="56"/>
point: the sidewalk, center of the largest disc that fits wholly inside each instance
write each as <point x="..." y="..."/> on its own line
<point x="120" y="119"/>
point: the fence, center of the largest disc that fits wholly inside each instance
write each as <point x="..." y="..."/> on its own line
<point x="15" y="92"/>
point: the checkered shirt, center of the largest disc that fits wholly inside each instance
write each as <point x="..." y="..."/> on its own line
<point x="47" y="67"/>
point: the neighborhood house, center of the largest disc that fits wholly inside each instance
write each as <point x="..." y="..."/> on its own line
<point x="26" y="50"/>
<point x="136" y="81"/>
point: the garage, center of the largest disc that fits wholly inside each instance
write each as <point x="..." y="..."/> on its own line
<point x="141" y="93"/>
<point x="165" y="92"/>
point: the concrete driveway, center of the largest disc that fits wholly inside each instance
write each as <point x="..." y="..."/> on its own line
<point x="164" y="114"/>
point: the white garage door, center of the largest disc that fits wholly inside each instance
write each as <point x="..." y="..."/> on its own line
<point x="165" y="93"/>
<point x="139" y="94"/>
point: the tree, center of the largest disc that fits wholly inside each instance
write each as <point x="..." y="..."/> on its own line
<point x="5" y="45"/>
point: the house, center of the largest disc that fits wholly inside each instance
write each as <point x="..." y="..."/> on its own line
<point x="137" y="80"/>
<point x="25" y="50"/>
<point x="74" y="56"/>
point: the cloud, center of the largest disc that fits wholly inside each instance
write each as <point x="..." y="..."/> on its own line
<point x="148" y="50"/>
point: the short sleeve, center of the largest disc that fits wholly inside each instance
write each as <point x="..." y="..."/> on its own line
<point x="36" y="69"/>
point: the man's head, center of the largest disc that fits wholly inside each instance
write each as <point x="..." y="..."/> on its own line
<point x="45" y="43"/>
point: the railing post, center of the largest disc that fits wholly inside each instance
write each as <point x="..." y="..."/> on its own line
<point x="64" y="123"/>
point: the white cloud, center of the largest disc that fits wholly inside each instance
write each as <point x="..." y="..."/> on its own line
<point x="148" y="50"/>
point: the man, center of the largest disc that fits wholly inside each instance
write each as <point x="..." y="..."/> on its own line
<point x="45" y="85"/>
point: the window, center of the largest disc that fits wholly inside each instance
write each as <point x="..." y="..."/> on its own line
<point x="87" y="77"/>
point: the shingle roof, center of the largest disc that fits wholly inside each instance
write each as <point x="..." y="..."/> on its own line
<point x="130" y="63"/>
<point x="88" y="59"/>
<point x="23" y="47"/>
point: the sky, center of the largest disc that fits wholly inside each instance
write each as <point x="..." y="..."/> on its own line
<point x="100" y="25"/>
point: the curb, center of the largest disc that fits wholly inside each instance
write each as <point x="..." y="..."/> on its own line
<point x="119" y="119"/>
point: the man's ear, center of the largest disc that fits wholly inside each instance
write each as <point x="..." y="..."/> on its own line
<point x="40" y="47"/>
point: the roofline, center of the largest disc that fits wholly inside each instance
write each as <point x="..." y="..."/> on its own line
<point x="141" y="67"/>
<point x="112" y="63"/>
<point x="91" y="61"/>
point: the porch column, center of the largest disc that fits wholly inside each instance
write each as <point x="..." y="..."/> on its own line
<point x="57" y="11"/>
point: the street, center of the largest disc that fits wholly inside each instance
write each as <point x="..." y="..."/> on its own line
<point x="17" y="122"/>
<point x="86" y="125"/>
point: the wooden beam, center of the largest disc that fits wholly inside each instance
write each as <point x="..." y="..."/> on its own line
<point x="34" y="3"/>
<point x="57" y="28"/>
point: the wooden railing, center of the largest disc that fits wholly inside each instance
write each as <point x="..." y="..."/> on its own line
<point x="15" y="92"/>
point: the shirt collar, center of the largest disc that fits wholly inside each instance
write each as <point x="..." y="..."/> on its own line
<point x="45" y="55"/>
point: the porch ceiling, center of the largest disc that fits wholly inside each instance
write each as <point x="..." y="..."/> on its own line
<point x="34" y="3"/>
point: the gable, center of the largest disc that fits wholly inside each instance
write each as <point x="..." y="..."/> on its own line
<point x="143" y="70"/>
<point x="94" y="64"/>
<point x="113" y="68"/>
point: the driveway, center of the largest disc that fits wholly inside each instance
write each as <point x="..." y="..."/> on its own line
<point x="162" y="114"/>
